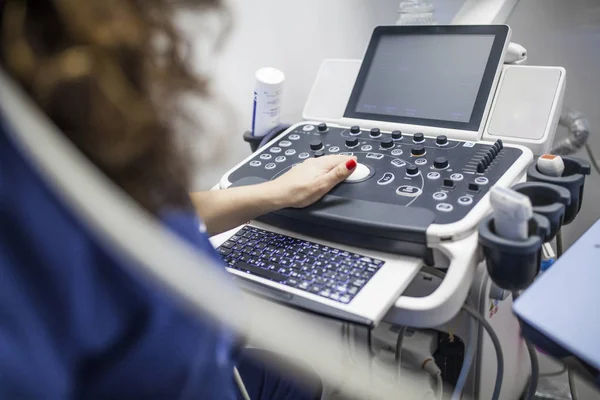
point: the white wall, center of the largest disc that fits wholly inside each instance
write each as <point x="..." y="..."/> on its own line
<point x="567" y="33"/>
<point x="294" y="36"/>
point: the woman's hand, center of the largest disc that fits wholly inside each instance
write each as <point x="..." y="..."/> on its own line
<point x="304" y="184"/>
<point x="310" y="180"/>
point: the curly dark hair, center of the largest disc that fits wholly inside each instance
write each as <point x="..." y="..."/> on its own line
<point x="111" y="75"/>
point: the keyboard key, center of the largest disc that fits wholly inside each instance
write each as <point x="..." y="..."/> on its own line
<point x="292" y="282"/>
<point x="316" y="289"/>
<point x="335" y="296"/>
<point x="345" y="299"/>
<point x="224" y="251"/>
<point x="264" y="273"/>
<point x="304" y="285"/>
<point x="325" y="293"/>
<point x="234" y="238"/>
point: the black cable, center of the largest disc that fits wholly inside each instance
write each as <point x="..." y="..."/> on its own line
<point x="399" y="340"/>
<point x="497" y="347"/>
<point x="535" y="365"/>
<point x="593" y="159"/>
<point x="572" y="388"/>
<point x="535" y="372"/>
<point x="559" y="244"/>
<point x="555" y="373"/>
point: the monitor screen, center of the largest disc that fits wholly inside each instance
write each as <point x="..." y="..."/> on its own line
<point x="435" y="79"/>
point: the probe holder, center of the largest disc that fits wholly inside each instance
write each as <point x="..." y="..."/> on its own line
<point x="253" y="141"/>
<point x="572" y="179"/>
<point x="547" y="200"/>
<point x="513" y="264"/>
<point x="256" y="142"/>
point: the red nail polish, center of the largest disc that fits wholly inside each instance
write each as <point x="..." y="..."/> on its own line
<point x="350" y="164"/>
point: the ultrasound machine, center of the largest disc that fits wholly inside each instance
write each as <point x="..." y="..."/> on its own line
<point x="436" y="119"/>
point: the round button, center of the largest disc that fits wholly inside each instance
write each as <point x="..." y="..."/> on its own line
<point x="440" y="163"/>
<point x="421" y="161"/>
<point x="417" y="151"/>
<point x="308" y="128"/>
<point x="480" y="167"/>
<point x="319" y="153"/>
<point x="412" y="170"/>
<point x="355" y="130"/>
<point x="352" y="142"/>
<point x="294" y="137"/>
<point x="361" y="173"/>
<point x="280" y="159"/>
<point x="270" y="166"/>
<point x="418" y="137"/>
<point x="465" y="201"/>
<point x="290" y="152"/>
<point x="441" y="140"/>
<point x="285" y="143"/>
<point x="408" y="191"/>
<point x="439" y="196"/>
<point x="275" y="150"/>
<point x="481" y="180"/>
<point x="255" y="163"/>
<point x="334" y="149"/>
<point x="397" y="135"/>
<point x="366" y="147"/>
<point x="303" y="156"/>
<point x="265" y="156"/>
<point x="387" y="142"/>
<point x="444" y="207"/>
<point x="433" y="175"/>
<point x="397" y="152"/>
<point x="316" y="145"/>
<point x="375" y="132"/>
<point x="457" y="177"/>
<point x="322" y="127"/>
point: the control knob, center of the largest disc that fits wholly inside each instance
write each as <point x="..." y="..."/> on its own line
<point x="440" y="163"/>
<point x="375" y="132"/>
<point x="397" y="135"/>
<point x="418" y="137"/>
<point x="316" y="145"/>
<point x="412" y="170"/>
<point x="355" y="129"/>
<point x="387" y="143"/>
<point x="481" y="167"/>
<point x="352" y="142"/>
<point x="441" y="140"/>
<point x="417" y="151"/>
<point x="322" y="127"/>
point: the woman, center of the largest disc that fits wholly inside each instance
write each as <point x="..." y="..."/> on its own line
<point x="73" y="324"/>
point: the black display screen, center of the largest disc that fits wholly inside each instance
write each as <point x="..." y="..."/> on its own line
<point x="435" y="76"/>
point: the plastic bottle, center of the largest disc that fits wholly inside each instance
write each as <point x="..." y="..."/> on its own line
<point x="416" y="12"/>
<point x="267" y="100"/>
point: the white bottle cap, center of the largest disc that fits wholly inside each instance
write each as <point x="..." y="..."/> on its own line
<point x="270" y="76"/>
<point x="551" y="165"/>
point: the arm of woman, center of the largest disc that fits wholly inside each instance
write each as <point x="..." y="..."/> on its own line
<point x="301" y="186"/>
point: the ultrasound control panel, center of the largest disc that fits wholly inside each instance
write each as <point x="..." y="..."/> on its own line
<point x="402" y="183"/>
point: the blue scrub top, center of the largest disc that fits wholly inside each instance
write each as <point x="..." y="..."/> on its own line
<point x="75" y="324"/>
